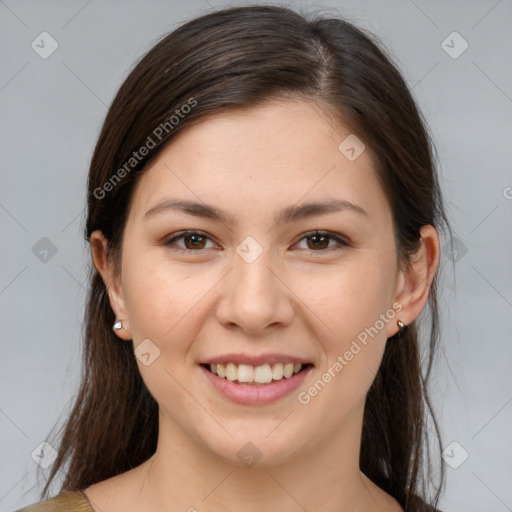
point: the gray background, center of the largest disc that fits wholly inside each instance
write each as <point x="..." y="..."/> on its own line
<point x="52" y="110"/>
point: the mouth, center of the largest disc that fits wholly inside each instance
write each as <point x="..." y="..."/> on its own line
<point x="261" y="375"/>
<point x="256" y="385"/>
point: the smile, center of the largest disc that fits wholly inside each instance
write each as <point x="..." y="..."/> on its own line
<point x="255" y="375"/>
<point x="239" y="382"/>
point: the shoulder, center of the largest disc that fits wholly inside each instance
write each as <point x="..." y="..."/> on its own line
<point x="69" y="501"/>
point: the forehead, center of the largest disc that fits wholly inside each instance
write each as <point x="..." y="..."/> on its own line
<point x="280" y="152"/>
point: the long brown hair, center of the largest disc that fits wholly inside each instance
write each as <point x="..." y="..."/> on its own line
<point x="237" y="58"/>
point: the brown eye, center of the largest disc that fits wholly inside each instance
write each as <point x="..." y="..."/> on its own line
<point x="194" y="241"/>
<point x="320" y="241"/>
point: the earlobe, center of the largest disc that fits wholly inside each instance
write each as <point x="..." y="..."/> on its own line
<point x="122" y="329"/>
<point x="105" y="267"/>
<point x="417" y="278"/>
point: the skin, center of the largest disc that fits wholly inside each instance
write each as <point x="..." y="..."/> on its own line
<point x="253" y="163"/>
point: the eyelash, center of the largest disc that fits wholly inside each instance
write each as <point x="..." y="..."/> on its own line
<point x="169" y="242"/>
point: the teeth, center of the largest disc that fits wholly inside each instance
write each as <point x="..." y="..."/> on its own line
<point x="277" y="371"/>
<point x="248" y="374"/>
<point x="263" y="374"/>
<point x="245" y="373"/>
<point x="231" y="371"/>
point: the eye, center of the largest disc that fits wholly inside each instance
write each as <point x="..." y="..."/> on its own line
<point x="194" y="241"/>
<point x="320" y="239"/>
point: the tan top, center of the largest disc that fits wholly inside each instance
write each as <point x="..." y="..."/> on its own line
<point x="76" y="501"/>
<point x="69" y="501"/>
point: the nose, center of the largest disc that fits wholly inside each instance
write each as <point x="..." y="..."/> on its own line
<point x="255" y="297"/>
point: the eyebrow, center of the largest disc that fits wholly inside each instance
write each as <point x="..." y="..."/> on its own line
<point x="287" y="216"/>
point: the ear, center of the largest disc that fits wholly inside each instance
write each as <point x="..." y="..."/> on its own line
<point x="414" y="282"/>
<point x="104" y="265"/>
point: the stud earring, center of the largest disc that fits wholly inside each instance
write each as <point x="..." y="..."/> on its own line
<point x="401" y="326"/>
<point x="119" y="325"/>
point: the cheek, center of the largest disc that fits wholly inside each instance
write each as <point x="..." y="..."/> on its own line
<point x="348" y="299"/>
<point x="348" y="304"/>
<point x="164" y="304"/>
<point x="159" y="296"/>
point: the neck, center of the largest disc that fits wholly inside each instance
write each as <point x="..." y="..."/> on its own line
<point x="183" y="475"/>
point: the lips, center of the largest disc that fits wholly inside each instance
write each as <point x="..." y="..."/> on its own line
<point x="253" y="393"/>
<point x="255" y="379"/>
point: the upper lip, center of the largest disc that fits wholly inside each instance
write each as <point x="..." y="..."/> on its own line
<point x="255" y="360"/>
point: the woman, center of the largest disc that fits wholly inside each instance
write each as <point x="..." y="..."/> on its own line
<point x="263" y="214"/>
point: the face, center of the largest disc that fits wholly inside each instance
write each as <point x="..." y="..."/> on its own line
<point x="259" y="284"/>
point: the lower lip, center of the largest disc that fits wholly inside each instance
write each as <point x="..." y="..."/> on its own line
<point x="256" y="395"/>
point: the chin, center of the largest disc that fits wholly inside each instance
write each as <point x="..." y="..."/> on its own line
<point x="255" y="445"/>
